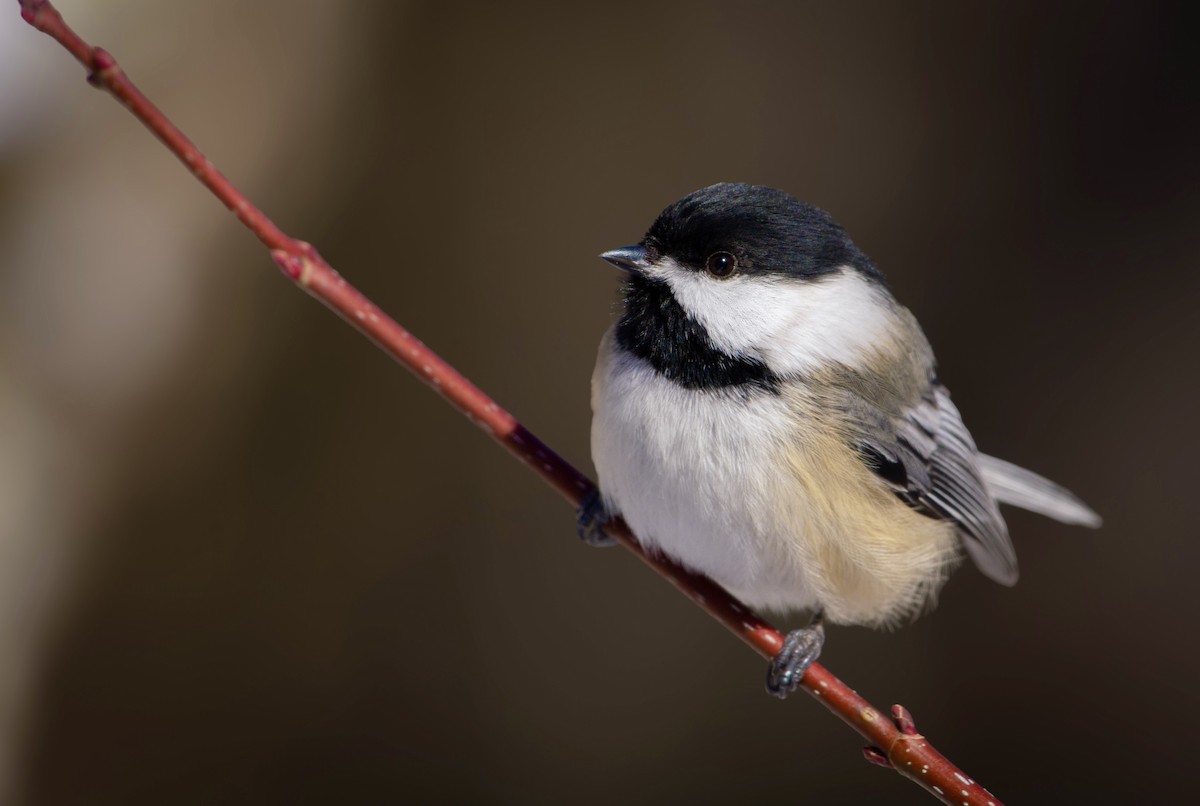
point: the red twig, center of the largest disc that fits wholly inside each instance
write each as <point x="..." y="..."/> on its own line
<point x="893" y="742"/>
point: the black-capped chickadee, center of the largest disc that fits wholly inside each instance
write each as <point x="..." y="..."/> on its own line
<point x="766" y="413"/>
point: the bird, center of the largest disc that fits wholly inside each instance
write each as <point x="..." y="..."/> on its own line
<point x="765" y="412"/>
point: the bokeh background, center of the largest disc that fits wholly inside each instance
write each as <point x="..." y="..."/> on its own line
<point x="245" y="559"/>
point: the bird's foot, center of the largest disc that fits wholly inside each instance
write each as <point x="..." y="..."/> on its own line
<point x="800" y="648"/>
<point x="590" y="522"/>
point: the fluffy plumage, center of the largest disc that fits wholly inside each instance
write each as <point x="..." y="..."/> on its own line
<point x="781" y="427"/>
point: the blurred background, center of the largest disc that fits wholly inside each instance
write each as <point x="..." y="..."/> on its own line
<point x="246" y="559"/>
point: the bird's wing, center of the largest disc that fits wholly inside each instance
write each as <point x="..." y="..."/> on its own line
<point x="925" y="454"/>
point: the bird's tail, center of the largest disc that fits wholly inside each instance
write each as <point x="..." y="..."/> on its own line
<point x="1022" y="488"/>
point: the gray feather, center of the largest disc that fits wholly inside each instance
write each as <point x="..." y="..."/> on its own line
<point x="1022" y="488"/>
<point x="925" y="453"/>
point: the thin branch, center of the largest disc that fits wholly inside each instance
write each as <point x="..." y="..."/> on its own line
<point x="893" y="742"/>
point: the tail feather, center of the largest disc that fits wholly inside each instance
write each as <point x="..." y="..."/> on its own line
<point x="1014" y="485"/>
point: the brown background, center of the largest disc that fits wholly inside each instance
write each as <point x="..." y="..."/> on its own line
<point x="260" y="564"/>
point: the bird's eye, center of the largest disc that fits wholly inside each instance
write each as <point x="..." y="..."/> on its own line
<point x="721" y="264"/>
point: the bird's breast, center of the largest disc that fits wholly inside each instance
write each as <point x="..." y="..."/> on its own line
<point x="762" y="492"/>
<point x="693" y="472"/>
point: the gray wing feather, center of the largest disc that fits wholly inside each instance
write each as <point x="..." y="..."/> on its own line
<point x="930" y="460"/>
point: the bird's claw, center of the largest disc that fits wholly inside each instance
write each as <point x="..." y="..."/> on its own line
<point x="591" y="519"/>
<point x="800" y="648"/>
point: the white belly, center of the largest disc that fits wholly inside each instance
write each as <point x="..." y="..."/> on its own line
<point x="694" y="474"/>
<point x="759" y="492"/>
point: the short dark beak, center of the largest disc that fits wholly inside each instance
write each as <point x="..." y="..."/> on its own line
<point x="628" y="258"/>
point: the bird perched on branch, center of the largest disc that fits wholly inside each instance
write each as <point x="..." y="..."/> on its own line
<point x="766" y="413"/>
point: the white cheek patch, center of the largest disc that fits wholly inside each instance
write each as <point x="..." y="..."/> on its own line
<point x="793" y="326"/>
